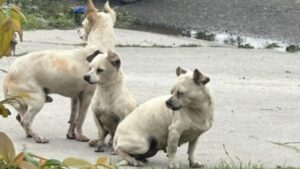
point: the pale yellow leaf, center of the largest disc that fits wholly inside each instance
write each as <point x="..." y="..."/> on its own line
<point x="5" y="40"/>
<point x="20" y="157"/>
<point x="3" y="16"/>
<point x="15" y="13"/>
<point x="26" y="165"/>
<point x="23" y="95"/>
<point x="7" y="149"/>
<point x="77" y="163"/>
<point x="102" y="160"/>
<point x="1" y="2"/>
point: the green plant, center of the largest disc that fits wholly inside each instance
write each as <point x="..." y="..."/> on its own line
<point x="11" y="20"/>
<point x="272" y="46"/>
<point x="293" y="48"/>
<point x="4" y="112"/>
<point x="24" y="160"/>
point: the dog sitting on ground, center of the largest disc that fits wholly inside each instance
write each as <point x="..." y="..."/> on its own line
<point x="166" y="122"/>
<point x="60" y="71"/>
<point x="112" y="101"/>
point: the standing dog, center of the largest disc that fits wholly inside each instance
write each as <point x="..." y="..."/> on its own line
<point x="166" y="122"/>
<point x="112" y="100"/>
<point x="60" y="71"/>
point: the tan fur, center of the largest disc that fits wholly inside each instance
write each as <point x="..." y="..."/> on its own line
<point x="165" y="122"/>
<point x="60" y="72"/>
<point x="112" y="101"/>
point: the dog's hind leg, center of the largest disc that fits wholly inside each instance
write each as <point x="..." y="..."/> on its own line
<point x="129" y="148"/>
<point x="21" y="112"/>
<point x="35" y="104"/>
<point x="84" y="102"/>
<point x="74" y="111"/>
<point x="128" y="159"/>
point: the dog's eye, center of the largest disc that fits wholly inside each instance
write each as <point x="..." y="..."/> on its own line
<point x="99" y="70"/>
<point x="179" y="94"/>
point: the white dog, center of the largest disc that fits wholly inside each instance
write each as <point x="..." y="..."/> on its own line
<point x="112" y="101"/>
<point x="166" y="122"/>
<point x="60" y="71"/>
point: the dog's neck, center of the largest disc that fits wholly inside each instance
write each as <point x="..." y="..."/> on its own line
<point x="113" y="84"/>
<point x="202" y="109"/>
<point x="102" y="37"/>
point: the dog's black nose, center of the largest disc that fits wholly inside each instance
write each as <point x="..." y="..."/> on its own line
<point x="169" y="103"/>
<point x="86" y="77"/>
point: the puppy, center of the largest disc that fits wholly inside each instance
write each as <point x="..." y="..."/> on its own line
<point x="166" y="122"/>
<point x="60" y="71"/>
<point x="112" y="101"/>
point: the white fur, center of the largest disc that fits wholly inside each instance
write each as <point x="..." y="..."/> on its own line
<point x="112" y="101"/>
<point x="154" y="125"/>
<point x="60" y="72"/>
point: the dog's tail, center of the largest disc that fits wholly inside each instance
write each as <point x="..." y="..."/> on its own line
<point x="110" y="11"/>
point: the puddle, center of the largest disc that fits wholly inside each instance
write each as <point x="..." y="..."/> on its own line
<point x="242" y="41"/>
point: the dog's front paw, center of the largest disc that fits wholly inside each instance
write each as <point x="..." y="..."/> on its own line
<point x="99" y="149"/>
<point x="113" y="152"/>
<point x="110" y="142"/>
<point x="82" y="138"/>
<point x="93" y="143"/>
<point x="138" y="164"/>
<point x="174" y="165"/>
<point x="71" y="136"/>
<point x="123" y="163"/>
<point x="41" y="140"/>
<point x="196" y="165"/>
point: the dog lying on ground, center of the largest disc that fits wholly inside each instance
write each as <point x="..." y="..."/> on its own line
<point x="166" y="122"/>
<point x="60" y="71"/>
<point x="112" y="101"/>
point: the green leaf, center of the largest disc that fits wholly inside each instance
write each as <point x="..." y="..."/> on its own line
<point x="52" y="163"/>
<point x="4" y="111"/>
<point x="77" y="163"/>
<point x="7" y="149"/>
<point x="31" y="160"/>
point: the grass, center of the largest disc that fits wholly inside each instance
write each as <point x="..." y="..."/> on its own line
<point x="272" y="46"/>
<point x="125" y="20"/>
<point x="156" y="46"/>
<point x="295" y="148"/>
<point x="293" y="48"/>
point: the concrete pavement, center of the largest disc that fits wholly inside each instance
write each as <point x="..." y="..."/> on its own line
<point x="256" y="94"/>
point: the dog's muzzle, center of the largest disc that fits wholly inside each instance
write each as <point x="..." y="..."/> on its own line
<point x="170" y="105"/>
<point x="88" y="79"/>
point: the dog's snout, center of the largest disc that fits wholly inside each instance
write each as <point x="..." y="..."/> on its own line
<point x="87" y="77"/>
<point x="169" y="103"/>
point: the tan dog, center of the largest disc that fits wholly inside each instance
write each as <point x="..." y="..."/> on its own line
<point x="112" y="101"/>
<point x="60" y="71"/>
<point x="166" y="122"/>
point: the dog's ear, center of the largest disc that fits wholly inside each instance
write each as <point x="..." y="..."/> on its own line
<point x="180" y="71"/>
<point x="114" y="59"/>
<point x="92" y="56"/>
<point x="199" y="78"/>
<point x="91" y="11"/>
<point x="91" y="17"/>
<point x="90" y="6"/>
